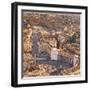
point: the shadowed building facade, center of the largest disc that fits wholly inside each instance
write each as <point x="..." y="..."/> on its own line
<point x="35" y="44"/>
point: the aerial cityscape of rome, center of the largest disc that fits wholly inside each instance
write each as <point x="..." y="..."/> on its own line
<point x="50" y="43"/>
